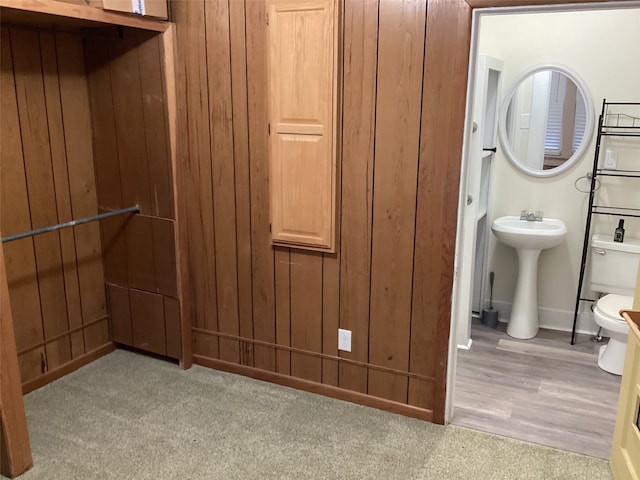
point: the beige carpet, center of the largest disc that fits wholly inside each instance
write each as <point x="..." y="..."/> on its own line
<point x="127" y="416"/>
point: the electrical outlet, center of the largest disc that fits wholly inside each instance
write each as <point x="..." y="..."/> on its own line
<point x="610" y="159"/>
<point x="344" y="340"/>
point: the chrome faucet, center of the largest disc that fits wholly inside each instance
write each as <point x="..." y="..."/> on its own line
<point x="531" y="216"/>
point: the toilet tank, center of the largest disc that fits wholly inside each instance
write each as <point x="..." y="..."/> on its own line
<point x="614" y="265"/>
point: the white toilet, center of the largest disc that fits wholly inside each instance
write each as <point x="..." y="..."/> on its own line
<point x="614" y="269"/>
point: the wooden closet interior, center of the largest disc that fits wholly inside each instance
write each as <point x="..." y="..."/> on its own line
<point x="84" y="130"/>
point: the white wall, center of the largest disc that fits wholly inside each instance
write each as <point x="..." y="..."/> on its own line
<point x="602" y="48"/>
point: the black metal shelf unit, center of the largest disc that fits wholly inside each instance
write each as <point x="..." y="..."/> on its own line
<point x="610" y="124"/>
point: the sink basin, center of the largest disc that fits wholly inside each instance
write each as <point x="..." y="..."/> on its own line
<point x="529" y="239"/>
<point x="516" y="233"/>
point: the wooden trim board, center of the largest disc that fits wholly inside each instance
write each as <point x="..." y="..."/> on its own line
<point x="67" y="368"/>
<point x="180" y="231"/>
<point x="16" y="449"/>
<point x="324" y="356"/>
<point x="314" y="387"/>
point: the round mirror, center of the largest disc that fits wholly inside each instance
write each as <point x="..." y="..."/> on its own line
<point x="546" y="121"/>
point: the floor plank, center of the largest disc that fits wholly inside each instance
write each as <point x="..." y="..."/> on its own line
<point x="542" y="390"/>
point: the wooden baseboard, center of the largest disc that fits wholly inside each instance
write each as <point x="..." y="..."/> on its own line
<point x="313" y="387"/>
<point x="67" y="368"/>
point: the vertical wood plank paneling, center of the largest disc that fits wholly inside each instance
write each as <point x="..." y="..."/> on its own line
<point x="52" y="95"/>
<point x="175" y="114"/>
<point x="148" y="327"/>
<point x="139" y="250"/>
<point x="40" y="185"/>
<point x="400" y="57"/>
<point x="331" y="262"/>
<point x="61" y="183"/>
<point x="120" y="314"/>
<point x="283" y="308"/>
<point x="445" y="74"/>
<point x="306" y="313"/>
<point x="32" y="363"/>
<point x="330" y="314"/>
<point x="155" y="124"/>
<point x="132" y="141"/>
<point x="77" y="126"/>
<point x="262" y="253"/>
<point x="237" y="27"/>
<point x="14" y="217"/>
<point x="299" y="299"/>
<point x="176" y="118"/>
<point x="164" y="262"/>
<point x="59" y="186"/>
<point x="140" y="253"/>
<point x="129" y="122"/>
<point x="359" y="91"/>
<point x="106" y="160"/>
<point x="172" y="327"/>
<point x="195" y="165"/>
<point x="114" y="249"/>
<point x="221" y="135"/>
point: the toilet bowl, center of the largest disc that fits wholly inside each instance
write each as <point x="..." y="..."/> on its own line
<point x="607" y="315"/>
<point x="614" y="269"/>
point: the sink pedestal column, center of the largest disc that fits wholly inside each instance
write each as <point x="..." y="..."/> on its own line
<point x="523" y="323"/>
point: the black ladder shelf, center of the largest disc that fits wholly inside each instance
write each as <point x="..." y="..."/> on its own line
<point x="613" y="122"/>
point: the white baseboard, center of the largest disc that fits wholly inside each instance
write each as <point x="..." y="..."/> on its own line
<point x="466" y="346"/>
<point x="555" y="319"/>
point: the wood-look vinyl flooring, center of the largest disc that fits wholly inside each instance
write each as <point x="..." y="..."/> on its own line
<point x="542" y="390"/>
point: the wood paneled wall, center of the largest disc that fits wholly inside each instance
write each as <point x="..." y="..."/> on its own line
<point x="274" y="312"/>
<point x="125" y="70"/>
<point x="84" y="129"/>
<point x="56" y="280"/>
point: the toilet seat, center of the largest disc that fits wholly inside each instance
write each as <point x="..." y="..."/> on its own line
<point x="608" y="309"/>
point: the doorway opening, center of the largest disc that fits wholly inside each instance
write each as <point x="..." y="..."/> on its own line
<point x="541" y="390"/>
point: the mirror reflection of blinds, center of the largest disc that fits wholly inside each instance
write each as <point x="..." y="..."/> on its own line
<point x="557" y="93"/>
<point x="580" y="121"/>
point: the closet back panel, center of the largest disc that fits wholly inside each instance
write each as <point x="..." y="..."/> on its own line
<point x="56" y="280"/>
<point x="125" y="71"/>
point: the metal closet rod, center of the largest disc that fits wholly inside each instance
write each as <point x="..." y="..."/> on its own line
<point x="72" y="223"/>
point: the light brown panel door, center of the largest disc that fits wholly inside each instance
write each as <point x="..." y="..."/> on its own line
<point x="625" y="449"/>
<point x="302" y="116"/>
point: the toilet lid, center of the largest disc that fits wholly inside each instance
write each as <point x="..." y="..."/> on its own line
<point x="611" y="305"/>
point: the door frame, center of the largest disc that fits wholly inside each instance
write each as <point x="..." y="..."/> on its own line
<point x="478" y="8"/>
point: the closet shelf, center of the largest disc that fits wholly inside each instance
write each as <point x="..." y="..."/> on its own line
<point x="620" y="120"/>
<point x="617" y="119"/>
<point x="63" y="15"/>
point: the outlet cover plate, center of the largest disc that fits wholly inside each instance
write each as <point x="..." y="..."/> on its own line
<point x="610" y="159"/>
<point x="344" y="340"/>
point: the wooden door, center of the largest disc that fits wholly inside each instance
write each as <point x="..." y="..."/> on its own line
<point x="302" y="119"/>
<point x="625" y="451"/>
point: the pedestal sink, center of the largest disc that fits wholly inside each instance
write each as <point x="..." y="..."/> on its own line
<point x="528" y="238"/>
